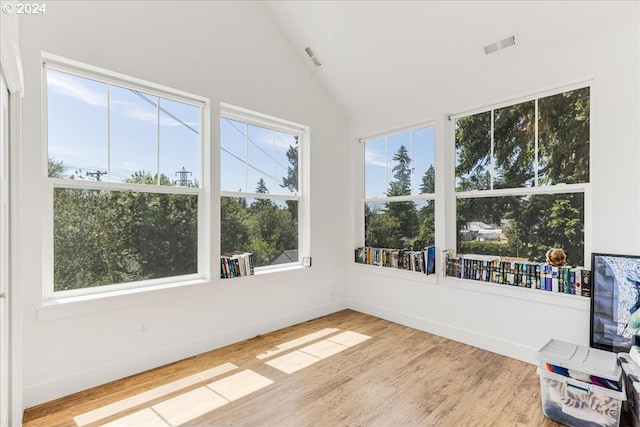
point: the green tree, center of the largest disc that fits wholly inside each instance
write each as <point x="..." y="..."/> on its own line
<point x="428" y="181"/>
<point x="382" y="230"/>
<point x="403" y="213"/>
<point x="105" y="236"/>
<point x="563" y="156"/>
<point x="234" y="221"/>
<point x="291" y="180"/>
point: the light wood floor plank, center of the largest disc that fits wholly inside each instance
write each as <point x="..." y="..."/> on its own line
<point x="398" y="377"/>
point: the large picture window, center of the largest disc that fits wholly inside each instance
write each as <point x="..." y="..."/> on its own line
<point x="521" y="174"/>
<point x="261" y="188"/>
<point x="124" y="170"/>
<point x="400" y="189"/>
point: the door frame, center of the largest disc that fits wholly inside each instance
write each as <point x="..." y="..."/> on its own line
<point x="11" y="69"/>
<point x="5" y="258"/>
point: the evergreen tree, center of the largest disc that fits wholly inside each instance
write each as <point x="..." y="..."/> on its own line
<point x="402" y="213"/>
<point x="563" y="157"/>
<point x="291" y="180"/>
<point x="428" y="181"/>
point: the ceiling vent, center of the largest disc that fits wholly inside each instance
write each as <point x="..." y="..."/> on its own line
<point x="503" y="43"/>
<point x="313" y="56"/>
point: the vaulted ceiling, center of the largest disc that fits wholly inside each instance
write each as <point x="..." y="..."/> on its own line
<point x="377" y="52"/>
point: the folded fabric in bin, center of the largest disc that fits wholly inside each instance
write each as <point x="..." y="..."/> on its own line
<point x="577" y="404"/>
<point x="590" y="379"/>
<point x="597" y="364"/>
<point x="631" y="372"/>
<point x="580" y="386"/>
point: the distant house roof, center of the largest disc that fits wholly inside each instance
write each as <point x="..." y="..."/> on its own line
<point x="290" y="255"/>
<point x="477" y="225"/>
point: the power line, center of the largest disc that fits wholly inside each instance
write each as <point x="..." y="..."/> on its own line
<point x="251" y="166"/>
<point x="257" y="146"/>
<point x="164" y="111"/>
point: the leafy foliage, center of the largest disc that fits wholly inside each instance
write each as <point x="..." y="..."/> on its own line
<point x="401" y="224"/>
<point x="532" y="224"/>
<point x="103" y="237"/>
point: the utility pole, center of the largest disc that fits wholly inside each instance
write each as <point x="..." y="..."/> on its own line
<point x="183" y="181"/>
<point x="97" y="174"/>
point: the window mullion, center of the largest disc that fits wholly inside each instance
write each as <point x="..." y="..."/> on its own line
<point x="273" y="166"/>
<point x="492" y="150"/>
<point x="158" y="140"/>
<point x="535" y="149"/>
<point x="109" y="132"/>
<point x="246" y="157"/>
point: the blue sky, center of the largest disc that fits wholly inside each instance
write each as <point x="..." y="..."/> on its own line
<point x="78" y="130"/>
<point x="379" y="159"/>
<point x="250" y="153"/>
<point x="79" y="135"/>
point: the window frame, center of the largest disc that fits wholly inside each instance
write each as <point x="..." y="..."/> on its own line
<point x="204" y="269"/>
<point x="406" y="198"/>
<point x="232" y="112"/>
<point x="536" y="189"/>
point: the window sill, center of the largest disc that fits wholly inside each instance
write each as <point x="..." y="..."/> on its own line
<point x="397" y="273"/>
<point x="87" y="304"/>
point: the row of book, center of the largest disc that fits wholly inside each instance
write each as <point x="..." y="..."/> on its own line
<point x="421" y="261"/>
<point x="567" y="280"/>
<point x="236" y="265"/>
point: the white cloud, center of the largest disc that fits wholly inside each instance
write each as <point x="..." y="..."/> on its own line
<point x="375" y="159"/>
<point x="149" y="114"/>
<point x="73" y="86"/>
<point x="77" y="87"/>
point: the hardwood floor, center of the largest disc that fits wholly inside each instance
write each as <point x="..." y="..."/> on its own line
<point x="397" y="377"/>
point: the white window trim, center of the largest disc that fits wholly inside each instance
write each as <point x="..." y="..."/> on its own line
<point x="560" y="188"/>
<point x="229" y="111"/>
<point x="205" y="266"/>
<point x="405" y="275"/>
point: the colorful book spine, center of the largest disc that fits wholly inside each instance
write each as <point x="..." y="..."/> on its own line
<point x="586" y="283"/>
<point x="577" y="272"/>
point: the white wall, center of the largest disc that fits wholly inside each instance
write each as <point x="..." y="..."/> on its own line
<point x="513" y="321"/>
<point x="230" y="52"/>
<point x="225" y="51"/>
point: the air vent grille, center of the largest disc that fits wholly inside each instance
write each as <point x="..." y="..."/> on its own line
<point x="490" y="48"/>
<point x="503" y="43"/>
<point x="509" y="41"/>
<point x="313" y="56"/>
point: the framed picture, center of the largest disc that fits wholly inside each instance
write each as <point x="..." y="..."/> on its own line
<point x="615" y="296"/>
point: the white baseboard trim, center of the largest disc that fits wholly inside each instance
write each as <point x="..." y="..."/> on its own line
<point x="466" y="336"/>
<point x="64" y="386"/>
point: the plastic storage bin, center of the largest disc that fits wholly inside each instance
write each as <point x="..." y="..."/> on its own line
<point x="631" y="375"/>
<point x="580" y="386"/>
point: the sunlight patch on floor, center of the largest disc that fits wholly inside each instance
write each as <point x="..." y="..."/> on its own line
<point x="323" y="349"/>
<point x="297" y="342"/>
<point x="307" y="356"/>
<point x="147" y="418"/>
<point x="189" y="405"/>
<point x="349" y="338"/>
<point x="292" y="362"/>
<point x="150" y="395"/>
<point x="240" y="384"/>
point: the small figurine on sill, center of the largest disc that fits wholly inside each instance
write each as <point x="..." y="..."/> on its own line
<point x="556" y="257"/>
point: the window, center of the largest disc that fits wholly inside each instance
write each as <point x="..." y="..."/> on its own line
<point x="124" y="170"/>
<point x="400" y="190"/>
<point x="521" y="174"/>
<point x="262" y="193"/>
